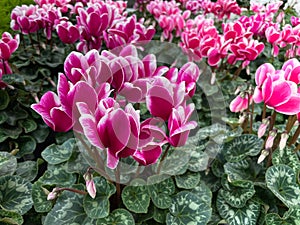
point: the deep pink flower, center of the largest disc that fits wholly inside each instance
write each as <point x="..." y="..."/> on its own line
<point x="179" y="124"/>
<point x="240" y="103"/>
<point x="291" y="70"/>
<point x="162" y="92"/>
<point x="148" y="154"/>
<point x="117" y="131"/>
<point x="52" y="113"/>
<point x="67" y="32"/>
<point x="8" y="45"/>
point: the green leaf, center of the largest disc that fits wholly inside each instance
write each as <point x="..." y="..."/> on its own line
<point x="13" y="78"/>
<point x="39" y="197"/>
<point x="28" y="170"/>
<point x="241" y="147"/>
<point x="15" y="194"/>
<point x="10" y="217"/>
<point x="175" y="163"/>
<point x="238" y="170"/>
<point x="238" y="194"/>
<point x="8" y="164"/>
<point x="291" y="217"/>
<point x="117" y="217"/>
<point x="203" y="192"/>
<point x="29" y="125"/>
<point x="4" y="99"/>
<point x="67" y="210"/>
<point x="287" y="157"/>
<point x="77" y="163"/>
<point x="41" y="133"/>
<point x="189" y="180"/>
<point x="237" y="216"/>
<point x="136" y="198"/>
<point x="27" y="145"/>
<point x="160" y="190"/>
<point x="99" y="206"/>
<point x="188" y="208"/>
<point x="281" y="180"/>
<point x="11" y="132"/>
<point x="3" y="117"/>
<point x="160" y="215"/>
<point x="199" y="159"/>
<point x="56" y="154"/>
<point x="58" y="176"/>
<point x="15" y="114"/>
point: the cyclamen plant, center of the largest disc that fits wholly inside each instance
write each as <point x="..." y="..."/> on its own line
<point x="89" y="101"/>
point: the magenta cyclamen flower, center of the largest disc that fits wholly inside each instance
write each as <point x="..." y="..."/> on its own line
<point x="67" y="32"/>
<point x="161" y="92"/>
<point x="240" y="103"/>
<point x="275" y="91"/>
<point x="179" y="125"/>
<point x="117" y="131"/>
<point x="8" y="45"/>
<point x="52" y="113"/>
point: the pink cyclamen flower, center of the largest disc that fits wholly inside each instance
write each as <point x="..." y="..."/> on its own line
<point x="240" y="103"/>
<point x="8" y="45"/>
<point x="67" y="32"/>
<point x="148" y="154"/>
<point x="179" y="125"/>
<point x="161" y="92"/>
<point x="117" y="131"/>
<point x="52" y="113"/>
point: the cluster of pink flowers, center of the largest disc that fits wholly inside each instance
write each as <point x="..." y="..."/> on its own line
<point x="169" y="17"/>
<point x="8" y="45"/>
<point x="96" y="21"/>
<point x="95" y="98"/>
<point x="278" y="88"/>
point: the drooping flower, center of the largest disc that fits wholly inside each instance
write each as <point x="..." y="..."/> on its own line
<point x="179" y="124"/>
<point x="52" y="112"/>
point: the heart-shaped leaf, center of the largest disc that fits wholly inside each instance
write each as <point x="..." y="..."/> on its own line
<point x="188" y="208"/>
<point x="57" y="176"/>
<point x="68" y="209"/>
<point x="56" y="154"/>
<point x="203" y="192"/>
<point x="4" y="99"/>
<point x="237" y="216"/>
<point x="8" y="164"/>
<point x="287" y="157"/>
<point x="27" y="145"/>
<point x="237" y="195"/>
<point x="39" y="197"/>
<point x="241" y="147"/>
<point x="117" y="217"/>
<point x="14" y="114"/>
<point x="189" y="180"/>
<point x="281" y="180"/>
<point x="28" y="170"/>
<point x="136" y="198"/>
<point x="99" y="206"/>
<point x="10" y="217"/>
<point x="28" y="125"/>
<point x="160" y="215"/>
<point x="290" y="217"/>
<point x="15" y="194"/>
<point x="160" y="191"/>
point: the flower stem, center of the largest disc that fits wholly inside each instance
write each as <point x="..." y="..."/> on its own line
<point x="273" y="119"/>
<point x="290" y="123"/>
<point x="264" y="111"/>
<point x="72" y="190"/>
<point x="295" y="136"/>
<point x="163" y="158"/>
<point x="118" y="186"/>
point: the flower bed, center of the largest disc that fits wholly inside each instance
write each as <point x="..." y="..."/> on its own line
<point x="174" y="112"/>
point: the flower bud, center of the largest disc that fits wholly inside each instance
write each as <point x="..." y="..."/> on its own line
<point x="283" y="140"/>
<point x="263" y="127"/>
<point x="53" y="194"/>
<point x="90" y="185"/>
<point x="270" y="140"/>
<point x="264" y="153"/>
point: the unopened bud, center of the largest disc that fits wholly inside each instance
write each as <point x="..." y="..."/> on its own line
<point x="53" y="194"/>
<point x="263" y="127"/>
<point x="270" y="140"/>
<point x="264" y="153"/>
<point x="238" y="89"/>
<point x="90" y="185"/>
<point x="242" y="118"/>
<point x="283" y="139"/>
